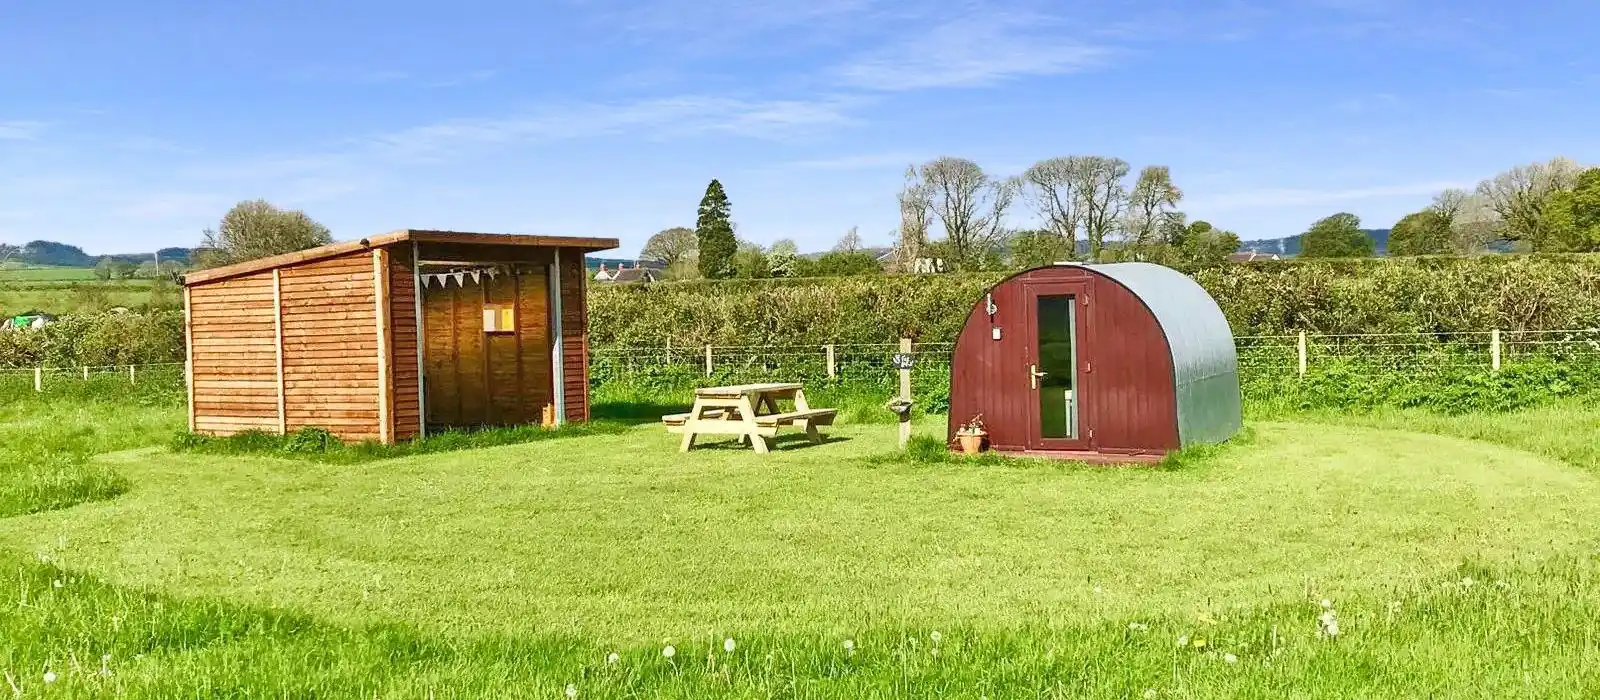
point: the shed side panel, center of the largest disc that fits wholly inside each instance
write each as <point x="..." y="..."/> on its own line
<point x="407" y="411"/>
<point x="234" y="355"/>
<point x="330" y="353"/>
<point x="533" y="329"/>
<point x="575" y="336"/>
<point x="1131" y="396"/>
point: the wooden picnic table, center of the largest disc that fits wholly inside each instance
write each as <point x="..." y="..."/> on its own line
<point x="749" y="411"/>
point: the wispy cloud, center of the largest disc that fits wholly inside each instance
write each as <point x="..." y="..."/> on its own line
<point x="20" y="130"/>
<point x="1288" y="197"/>
<point x="979" y="49"/>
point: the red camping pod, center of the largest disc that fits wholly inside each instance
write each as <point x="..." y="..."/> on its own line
<point x="1116" y="362"/>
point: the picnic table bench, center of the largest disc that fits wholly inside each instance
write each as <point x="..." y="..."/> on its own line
<point x="749" y="411"/>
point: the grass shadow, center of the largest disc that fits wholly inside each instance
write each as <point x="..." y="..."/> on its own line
<point x="318" y="445"/>
<point x="635" y="412"/>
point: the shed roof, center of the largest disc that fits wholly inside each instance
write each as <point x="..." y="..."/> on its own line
<point x="1205" y="363"/>
<point x="391" y="238"/>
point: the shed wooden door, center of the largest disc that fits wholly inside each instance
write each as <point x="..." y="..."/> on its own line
<point x="476" y="375"/>
<point x="1060" y="366"/>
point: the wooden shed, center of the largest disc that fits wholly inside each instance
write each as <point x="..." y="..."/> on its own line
<point x="392" y="336"/>
<point x="1117" y="362"/>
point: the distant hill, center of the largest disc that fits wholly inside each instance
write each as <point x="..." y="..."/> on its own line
<point x="1289" y="246"/>
<point x="63" y="255"/>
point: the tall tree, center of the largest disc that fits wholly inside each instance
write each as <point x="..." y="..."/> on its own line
<point x="1426" y="232"/>
<point x="671" y="247"/>
<point x="256" y="229"/>
<point x="714" y="231"/>
<point x="1152" y="202"/>
<point x="1102" y="197"/>
<point x="1518" y="197"/>
<point x="1337" y="236"/>
<point x="916" y="217"/>
<point x="783" y="256"/>
<point x="850" y="242"/>
<point x="7" y="252"/>
<point x="1574" y="215"/>
<point x="1202" y="245"/>
<point x="969" y="205"/>
<point x="1048" y="186"/>
<point x="1038" y="248"/>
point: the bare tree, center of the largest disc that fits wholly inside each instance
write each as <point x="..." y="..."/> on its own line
<point x="849" y="243"/>
<point x="1048" y="188"/>
<point x="1518" y="196"/>
<point x="970" y="205"/>
<point x="1153" y="201"/>
<point x="7" y="252"/>
<point x="671" y="246"/>
<point x="1102" y="197"/>
<point x="1473" y="225"/>
<point x="916" y="217"/>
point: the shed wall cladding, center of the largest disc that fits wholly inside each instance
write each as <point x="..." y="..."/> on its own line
<point x="478" y="378"/>
<point x="575" y="335"/>
<point x="330" y="346"/>
<point x="234" y="355"/>
<point x="1127" y="398"/>
<point x="406" y="414"/>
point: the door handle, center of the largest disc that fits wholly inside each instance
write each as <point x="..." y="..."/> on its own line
<point x="1034" y="374"/>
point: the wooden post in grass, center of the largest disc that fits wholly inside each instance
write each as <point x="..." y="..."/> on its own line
<point x="1494" y="349"/>
<point x="669" y="352"/>
<point x="131" y="379"/>
<point x="38" y="379"/>
<point x="905" y="393"/>
<point x="86" y="373"/>
<point x="708" y="360"/>
<point x="832" y="368"/>
<point x="1302" y="347"/>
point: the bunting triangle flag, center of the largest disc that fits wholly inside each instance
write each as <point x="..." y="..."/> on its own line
<point x="477" y="276"/>
<point x="461" y="278"/>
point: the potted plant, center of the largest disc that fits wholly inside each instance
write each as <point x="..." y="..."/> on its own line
<point x="971" y="435"/>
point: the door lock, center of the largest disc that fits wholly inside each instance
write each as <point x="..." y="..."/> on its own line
<point x="1034" y="374"/>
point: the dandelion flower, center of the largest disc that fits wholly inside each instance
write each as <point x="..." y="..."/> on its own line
<point x="728" y="645"/>
<point x="936" y="636"/>
<point x="613" y="657"/>
<point x="572" y="690"/>
<point x="50" y="676"/>
<point x="1230" y="658"/>
<point x="668" y="651"/>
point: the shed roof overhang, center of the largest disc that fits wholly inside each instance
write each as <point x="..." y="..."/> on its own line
<point x="402" y="236"/>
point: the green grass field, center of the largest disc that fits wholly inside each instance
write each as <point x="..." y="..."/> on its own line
<point x="1456" y="554"/>
<point x="38" y="273"/>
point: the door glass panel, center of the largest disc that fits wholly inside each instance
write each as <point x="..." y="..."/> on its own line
<point x="1058" y="415"/>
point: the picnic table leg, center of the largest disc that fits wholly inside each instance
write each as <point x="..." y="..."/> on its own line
<point x="689" y="426"/>
<point x="806" y="425"/>
<point x="749" y="419"/>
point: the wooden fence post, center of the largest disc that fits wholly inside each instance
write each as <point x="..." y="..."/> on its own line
<point x="38" y="379"/>
<point x="1302" y="349"/>
<point x="905" y="393"/>
<point x="131" y="379"/>
<point x="669" y="351"/>
<point x="1494" y="349"/>
<point x="86" y="373"/>
<point x="832" y="368"/>
<point x="708" y="360"/>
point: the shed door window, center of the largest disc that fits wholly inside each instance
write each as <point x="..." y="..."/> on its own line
<point x="1057" y="327"/>
<point x="499" y="318"/>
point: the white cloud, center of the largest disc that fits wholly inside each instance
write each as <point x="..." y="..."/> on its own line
<point x="1289" y="197"/>
<point x="20" y="130"/>
<point x="974" y="50"/>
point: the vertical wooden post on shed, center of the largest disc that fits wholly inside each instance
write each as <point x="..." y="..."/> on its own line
<point x="905" y="394"/>
<point x="277" y="344"/>
<point x="832" y="368"/>
<point x="380" y="294"/>
<point x="708" y="360"/>
<point x="1302" y="349"/>
<point x="188" y="353"/>
<point x="38" y="379"/>
<point x="416" y="293"/>
<point x="1494" y="349"/>
<point x="558" y="372"/>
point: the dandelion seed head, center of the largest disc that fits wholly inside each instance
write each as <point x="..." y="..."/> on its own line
<point x="936" y="636"/>
<point x="1138" y="627"/>
<point x="850" y="645"/>
<point x="50" y="676"/>
<point x="1326" y="603"/>
<point x="1149" y="693"/>
<point x="57" y="583"/>
<point x="1467" y="582"/>
<point x="1183" y="640"/>
<point x="935" y="652"/>
<point x="728" y="645"/>
<point x="613" y="657"/>
<point x="1230" y="658"/>
<point x="572" y="690"/>
<point x="668" y="651"/>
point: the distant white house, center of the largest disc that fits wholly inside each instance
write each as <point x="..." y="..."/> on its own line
<point x="624" y="274"/>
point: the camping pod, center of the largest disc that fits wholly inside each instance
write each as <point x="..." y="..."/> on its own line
<point x="1115" y="362"/>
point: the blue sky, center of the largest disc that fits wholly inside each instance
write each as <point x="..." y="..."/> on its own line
<point x="130" y="126"/>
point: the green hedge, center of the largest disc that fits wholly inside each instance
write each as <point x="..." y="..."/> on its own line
<point x="97" y="340"/>
<point x="1420" y="295"/>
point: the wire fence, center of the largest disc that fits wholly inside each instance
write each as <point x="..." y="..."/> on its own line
<point x="1259" y="357"/>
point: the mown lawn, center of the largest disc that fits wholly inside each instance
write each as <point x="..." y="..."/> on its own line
<point x="1453" y="568"/>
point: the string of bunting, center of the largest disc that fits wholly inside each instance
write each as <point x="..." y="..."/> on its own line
<point x="461" y="275"/>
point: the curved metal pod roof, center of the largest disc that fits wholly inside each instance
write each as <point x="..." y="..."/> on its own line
<point x="1205" y="364"/>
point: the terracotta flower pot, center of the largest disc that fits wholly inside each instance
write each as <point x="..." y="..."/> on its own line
<point x="971" y="444"/>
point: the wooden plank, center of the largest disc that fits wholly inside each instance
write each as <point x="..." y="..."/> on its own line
<point x="277" y="344"/>
<point x="267" y="384"/>
<point x="188" y="361"/>
<point x="380" y="294"/>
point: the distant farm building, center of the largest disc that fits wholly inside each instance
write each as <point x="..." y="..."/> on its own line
<point x="392" y="336"/>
